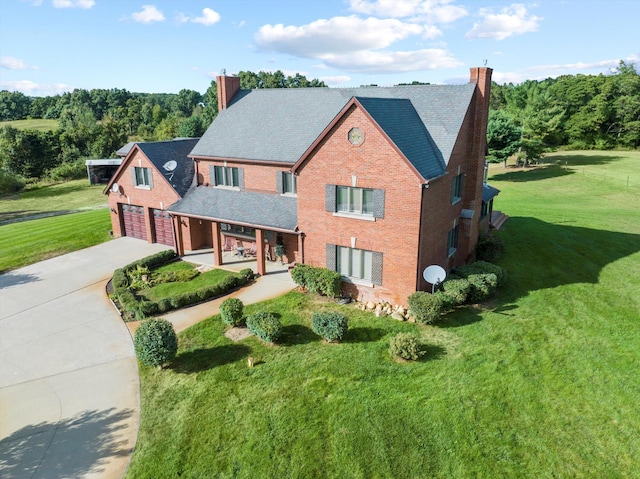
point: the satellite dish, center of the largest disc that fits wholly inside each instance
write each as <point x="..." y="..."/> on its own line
<point x="434" y="275"/>
<point x="170" y="165"/>
<point x="115" y="188"/>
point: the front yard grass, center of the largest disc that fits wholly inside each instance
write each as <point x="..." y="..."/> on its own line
<point x="541" y="381"/>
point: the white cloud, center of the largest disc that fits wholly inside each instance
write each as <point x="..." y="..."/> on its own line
<point x="511" y="20"/>
<point x="11" y="63"/>
<point x="429" y="11"/>
<point x="392" y="62"/>
<point x="335" y="80"/>
<point x="208" y="18"/>
<point x="148" y="14"/>
<point x="86" y="4"/>
<point x="337" y="34"/>
<point x="35" y="89"/>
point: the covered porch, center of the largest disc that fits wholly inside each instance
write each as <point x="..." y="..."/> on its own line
<point x="238" y="227"/>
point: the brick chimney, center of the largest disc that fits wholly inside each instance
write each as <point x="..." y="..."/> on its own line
<point x="474" y="180"/>
<point x="227" y="87"/>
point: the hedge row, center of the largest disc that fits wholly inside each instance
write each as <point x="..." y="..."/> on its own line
<point x="132" y="307"/>
<point x="317" y="280"/>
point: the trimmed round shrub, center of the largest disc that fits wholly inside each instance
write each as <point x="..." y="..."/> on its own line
<point x="425" y="307"/>
<point x="489" y="247"/>
<point x="482" y="286"/>
<point x="406" y="346"/>
<point x="265" y="326"/>
<point x="331" y="325"/>
<point x="456" y="290"/>
<point x="156" y="342"/>
<point x="231" y="311"/>
<point x="247" y="274"/>
<point x="482" y="267"/>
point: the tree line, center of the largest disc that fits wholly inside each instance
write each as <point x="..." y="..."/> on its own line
<point x="96" y="123"/>
<point x="571" y="111"/>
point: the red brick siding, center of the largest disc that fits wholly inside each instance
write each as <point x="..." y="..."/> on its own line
<point x="256" y="177"/>
<point x="376" y="164"/>
<point x="160" y="196"/>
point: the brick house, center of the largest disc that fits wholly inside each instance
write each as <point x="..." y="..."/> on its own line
<point x="376" y="183"/>
<point x="152" y="176"/>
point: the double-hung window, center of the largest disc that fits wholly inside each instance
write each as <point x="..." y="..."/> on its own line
<point x="456" y="188"/>
<point x="142" y="177"/>
<point x="226" y="176"/>
<point x="354" y="263"/>
<point x="452" y="240"/>
<point x="354" y="200"/>
<point x="289" y="184"/>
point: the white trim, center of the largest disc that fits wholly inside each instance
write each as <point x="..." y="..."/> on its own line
<point x="354" y="216"/>
<point x="360" y="282"/>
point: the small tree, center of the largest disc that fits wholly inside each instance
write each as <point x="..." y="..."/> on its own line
<point x="425" y="307"/>
<point x="332" y="326"/>
<point x="231" y="311"/>
<point x="156" y="342"/>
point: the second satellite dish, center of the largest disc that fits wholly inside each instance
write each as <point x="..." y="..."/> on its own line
<point x="434" y="274"/>
<point x="170" y="165"/>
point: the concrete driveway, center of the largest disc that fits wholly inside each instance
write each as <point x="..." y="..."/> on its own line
<point x="69" y="386"/>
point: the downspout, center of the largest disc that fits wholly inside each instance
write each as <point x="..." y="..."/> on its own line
<point x="422" y="200"/>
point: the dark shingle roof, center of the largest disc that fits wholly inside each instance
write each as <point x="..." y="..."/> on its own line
<point x="279" y="125"/>
<point x="160" y="153"/>
<point x="489" y="192"/>
<point x="243" y="207"/>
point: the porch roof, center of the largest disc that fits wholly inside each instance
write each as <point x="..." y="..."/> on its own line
<point x="264" y="210"/>
<point x="489" y="192"/>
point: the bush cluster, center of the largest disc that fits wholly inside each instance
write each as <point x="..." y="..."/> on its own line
<point x="231" y="311"/>
<point x="182" y="275"/>
<point x="10" y="183"/>
<point x="406" y="346"/>
<point x="155" y="342"/>
<point x="265" y="326"/>
<point x="331" y="325"/>
<point x="483" y="267"/>
<point x="425" y="307"/>
<point x="489" y="247"/>
<point x="317" y="280"/>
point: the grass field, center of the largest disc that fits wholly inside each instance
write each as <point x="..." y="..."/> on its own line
<point x="31" y="241"/>
<point x="540" y="382"/>
<point x="25" y="242"/>
<point x="36" y="124"/>
<point x="55" y="198"/>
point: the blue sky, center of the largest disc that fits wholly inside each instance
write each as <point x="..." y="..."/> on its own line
<point x="52" y="46"/>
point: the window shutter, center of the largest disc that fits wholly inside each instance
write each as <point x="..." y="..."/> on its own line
<point x="133" y="176"/>
<point x="378" y="203"/>
<point x="150" y="178"/>
<point x="212" y="175"/>
<point x="376" y="268"/>
<point x="330" y="198"/>
<point x="241" y="178"/>
<point x="331" y="257"/>
<point x="280" y="182"/>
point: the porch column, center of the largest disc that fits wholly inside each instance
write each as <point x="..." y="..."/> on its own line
<point x="260" y="256"/>
<point x="217" y="243"/>
<point x="177" y="228"/>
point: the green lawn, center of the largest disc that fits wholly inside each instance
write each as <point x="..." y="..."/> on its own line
<point x="54" y="198"/>
<point x="541" y="382"/>
<point x="35" y="124"/>
<point x="31" y="241"/>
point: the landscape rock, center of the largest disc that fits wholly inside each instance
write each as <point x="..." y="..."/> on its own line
<point x="398" y="316"/>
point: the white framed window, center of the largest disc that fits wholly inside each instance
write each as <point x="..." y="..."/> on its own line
<point x="456" y="188"/>
<point x="226" y="176"/>
<point x="289" y="184"/>
<point x="142" y="177"/>
<point x="354" y="263"/>
<point x="354" y="200"/>
<point x="452" y="240"/>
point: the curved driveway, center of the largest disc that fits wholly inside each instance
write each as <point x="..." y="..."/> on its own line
<point x="69" y="387"/>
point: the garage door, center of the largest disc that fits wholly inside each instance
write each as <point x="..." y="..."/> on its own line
<point x="163" y="227"/>
<point x="134" y="225"/>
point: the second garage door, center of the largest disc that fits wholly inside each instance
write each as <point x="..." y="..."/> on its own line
<point x="163" y="227"/>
